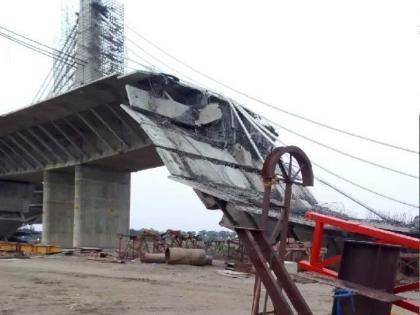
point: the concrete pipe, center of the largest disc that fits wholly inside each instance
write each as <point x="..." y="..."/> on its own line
<point x="186" y="256"/>
<point x="158" y="258"/>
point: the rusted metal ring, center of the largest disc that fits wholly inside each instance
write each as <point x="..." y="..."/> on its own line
<point x="273" y="159"/>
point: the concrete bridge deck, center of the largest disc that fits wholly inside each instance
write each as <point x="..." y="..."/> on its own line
<point x="80" y="148"/>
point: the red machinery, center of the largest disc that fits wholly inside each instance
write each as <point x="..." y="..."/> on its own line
<point x="315" y="263"/>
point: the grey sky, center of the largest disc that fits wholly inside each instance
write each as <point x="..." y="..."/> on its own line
<point x="353" y="65"/>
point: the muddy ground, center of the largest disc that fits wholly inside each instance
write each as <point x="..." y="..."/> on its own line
<point x="74" y="285"/>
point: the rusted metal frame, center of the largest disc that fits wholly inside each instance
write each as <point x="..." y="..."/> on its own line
<point x="261" y="264"/>
<point x="276" y="263"/>
<point x="45" y="144"/>
<point x="68" y="138"/>
<point x="34" y="147"/>
<point x="49" y="135"/>
<point x="115" y="134"/>
<point x="256" y="295"/>
<point x="81" y="135"/>
<point x="17" y="155"/>
<point x="23" y="149"/>
<point x="269" y="178"/>
<point x="91" y="127"/>
<point x="272" y="161"/>
<point x="297" y="173"/>
<point x="285" y="220"/>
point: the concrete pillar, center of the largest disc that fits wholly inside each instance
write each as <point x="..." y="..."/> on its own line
<point x="102" y="206"/>
<point x="58" y="208"/>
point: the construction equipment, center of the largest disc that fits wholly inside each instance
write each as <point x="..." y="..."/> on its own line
<point x="267" y="256"/>
<point x="315" y="264"/>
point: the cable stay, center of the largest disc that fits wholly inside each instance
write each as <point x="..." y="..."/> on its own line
<point x="159" y="60"/>
<point x="320" y="124"/>
<point x="60" y="53"/>
<point x="370" y="209"/>
<point x="273" y="139"/>
<point x="349" y="155"/>
<point x="61" y="73"/>
<point x="144" y="63"/>
<point x="32" y="47"/>
<point x="343" y="152"/>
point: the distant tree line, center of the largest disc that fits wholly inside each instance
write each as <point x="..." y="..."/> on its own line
<point x="207" y="236"/>
<point x="204" y="235"/>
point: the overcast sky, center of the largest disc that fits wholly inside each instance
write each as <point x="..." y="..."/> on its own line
<point x="351" y="64"/>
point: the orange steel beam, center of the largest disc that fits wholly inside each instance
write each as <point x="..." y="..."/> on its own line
<point x="357" y="227"/>
<point x="316" y="265"/>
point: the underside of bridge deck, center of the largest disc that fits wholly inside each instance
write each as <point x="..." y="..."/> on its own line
<point x="80" y="148"/>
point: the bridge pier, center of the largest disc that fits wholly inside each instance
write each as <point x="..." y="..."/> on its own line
<point x="101" y="206"/>
<point x="58" y="208"/>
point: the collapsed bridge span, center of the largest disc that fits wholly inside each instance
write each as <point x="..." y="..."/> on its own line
<point x="80" y="147"/>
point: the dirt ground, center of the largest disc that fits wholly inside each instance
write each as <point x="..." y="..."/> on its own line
<point x="74" y="285"/>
